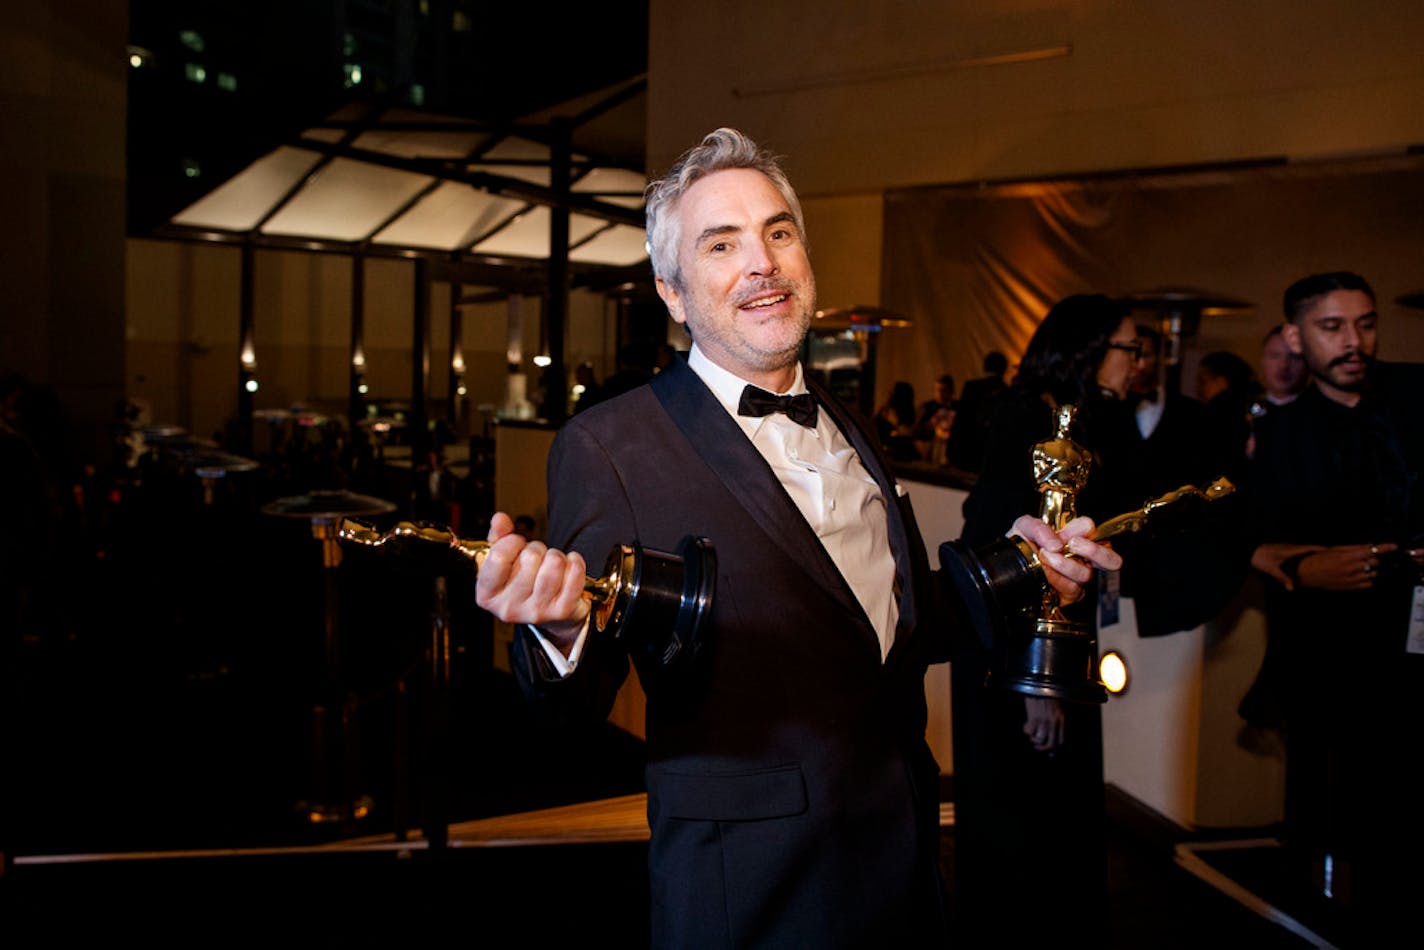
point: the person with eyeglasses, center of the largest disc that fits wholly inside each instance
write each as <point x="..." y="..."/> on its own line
<point x="1021" y="763"/>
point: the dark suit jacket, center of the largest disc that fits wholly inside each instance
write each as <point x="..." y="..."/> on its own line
<point x="792" y="798"/>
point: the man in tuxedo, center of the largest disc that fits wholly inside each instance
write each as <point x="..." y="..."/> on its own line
<point x="1187" y="573"/>
<point x="792" y="798"/>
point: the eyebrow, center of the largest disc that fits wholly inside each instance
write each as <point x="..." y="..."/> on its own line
<point x="784" y="217"/>
<point x="1340" y="316"/>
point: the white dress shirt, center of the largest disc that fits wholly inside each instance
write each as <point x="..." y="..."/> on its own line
<point x="1149" y="413"/>
<point x="824" y="476"/>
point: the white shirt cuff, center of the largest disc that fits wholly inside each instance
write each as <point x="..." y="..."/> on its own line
<point x="563" y="664"/>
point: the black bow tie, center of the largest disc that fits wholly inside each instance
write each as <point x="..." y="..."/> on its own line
<point x="759" y="402"/>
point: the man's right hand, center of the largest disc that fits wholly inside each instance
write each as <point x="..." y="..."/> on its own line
<point x="522" y="581"/>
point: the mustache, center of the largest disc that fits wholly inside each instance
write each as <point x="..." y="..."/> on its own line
<point x="765" y="288"/>
<point x="1346" y="357"/>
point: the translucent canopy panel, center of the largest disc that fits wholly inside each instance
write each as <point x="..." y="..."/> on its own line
<point x="403" y="180"/>
<point x="620" y="245"/>
<point x="347" y="200"/>
<point x="614" y="185"/>
<point x="528" y="235"/>
<point x="451" y="217"/>
<point x="243" y="200"/>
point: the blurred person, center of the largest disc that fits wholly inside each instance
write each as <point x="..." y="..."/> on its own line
<point x="1227" y="384"/>
<point x="792" y="798"/>
<point x="934" y="419"/>
<point x="1283" y="376"/>
<point x="895" y="423"/>
<point x="1170" y="589"/>
<point x="586" y="382"/>
<point x="665" y="356"/>
<point x="1283" y="372"/>
<point x="1338" y="516"/>
<point x="970" y="429"/>
<point x="635" y="367"/>
<point x="1023" y="765"/>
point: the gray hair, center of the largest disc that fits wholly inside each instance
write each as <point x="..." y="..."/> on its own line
<point x="718" y="151"/>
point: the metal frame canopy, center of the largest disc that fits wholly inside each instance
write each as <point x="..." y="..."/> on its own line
<point x="480" y="198"/>
<point x="537" y="207"/>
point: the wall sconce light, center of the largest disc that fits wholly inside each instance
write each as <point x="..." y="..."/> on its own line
<point x="358" y="360"/>
<point x="251" y="385"/>
<point x="542" y="360"/>
<point x="1112" y="670"/>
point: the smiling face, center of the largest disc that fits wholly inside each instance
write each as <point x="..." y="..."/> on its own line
<point x="746" y="289"/>
<point x="1336" y="335"/>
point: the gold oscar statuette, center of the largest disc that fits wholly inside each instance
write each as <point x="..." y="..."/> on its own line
<point x="1006" y="596"/>
<point x="652" y="601"/>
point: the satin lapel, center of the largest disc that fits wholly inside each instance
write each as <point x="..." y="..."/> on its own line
<point x="900" y="526"/>
<point x="717" y="438"/>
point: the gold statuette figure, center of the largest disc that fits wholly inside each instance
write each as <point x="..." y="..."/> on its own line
<point x="652" y="601"/>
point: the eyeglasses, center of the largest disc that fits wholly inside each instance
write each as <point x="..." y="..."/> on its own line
<point x="1135" y="348"/>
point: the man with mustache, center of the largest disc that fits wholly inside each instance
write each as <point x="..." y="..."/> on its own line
<point x="1339" y="510"/>
<point x="792" y="798"/>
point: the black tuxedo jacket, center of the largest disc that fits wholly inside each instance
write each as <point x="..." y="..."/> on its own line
<point x="792" y="798"/>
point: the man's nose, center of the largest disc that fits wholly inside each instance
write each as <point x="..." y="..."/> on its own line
<point x="761" y="260"/>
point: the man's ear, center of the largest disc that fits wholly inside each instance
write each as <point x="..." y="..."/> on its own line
<point x="672" y="299"/>
<point x="1291" y="334"/>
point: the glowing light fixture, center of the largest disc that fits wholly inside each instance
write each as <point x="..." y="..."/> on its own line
<point x="1112" y="669"/>
<point x="542" y="360"/>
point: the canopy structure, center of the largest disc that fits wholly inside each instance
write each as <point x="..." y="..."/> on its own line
<point x="538" y="206"/>
<point x="480" y="198"/>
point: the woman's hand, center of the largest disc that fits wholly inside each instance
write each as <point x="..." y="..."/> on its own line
<point x="1068" y="575"/>
<point x="1044" y="722"/>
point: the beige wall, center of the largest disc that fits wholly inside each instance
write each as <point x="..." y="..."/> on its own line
<point x="865" y="97"/>
<point x="63" y="88"/>
<point x="181" y="333"/>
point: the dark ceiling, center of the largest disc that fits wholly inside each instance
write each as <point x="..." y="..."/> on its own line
<point x="272" y="68"/>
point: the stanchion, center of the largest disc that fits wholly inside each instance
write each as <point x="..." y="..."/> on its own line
<point x="340" y="801"/>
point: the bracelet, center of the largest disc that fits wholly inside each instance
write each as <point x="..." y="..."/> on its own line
<point x="1290" y="567"/>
